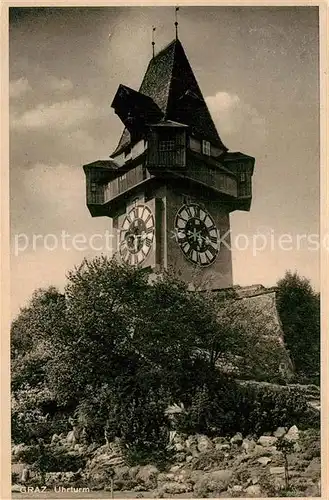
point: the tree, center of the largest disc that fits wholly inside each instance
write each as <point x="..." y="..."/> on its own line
<point x="299" y="310"/>
<point x="32" y="346"/>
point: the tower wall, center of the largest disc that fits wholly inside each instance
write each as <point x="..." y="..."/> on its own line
<point x="216" y="275"/>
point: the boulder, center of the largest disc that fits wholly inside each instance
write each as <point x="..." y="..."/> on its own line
<point x="219" y="440"/>
<point x="224" y="475"/>
<point x="17" y="448"/>
<point x="175" y="468"/>
<point x="204" y="444"/>
<point x="122" y="472"/>
<point x="147" y="475"/>
<point x="191" y="442"/>
<point x="276" y="470"/>
<point x="133" y="471"/>
<point x="212" y="482"/>
<point x="178" y="442"/>
<point x="280" y="432"/>
<point x="174" y="488"/>
<point x="222" y="447"/>
<point x="254" y="490"/>
<point x="292" y="434"/>
<point x="237" y="439"/>
<point x="264" y="460"/>
<point x="248" y="445"/>
<point x="180" y="456"/>
<point x="267" y="441"/>
<point x="71" y="438"/>
<point x="314" y="468"/>
<point x="237" y="488"/>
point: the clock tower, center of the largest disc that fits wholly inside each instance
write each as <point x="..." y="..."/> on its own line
<point x="171" y="183"/>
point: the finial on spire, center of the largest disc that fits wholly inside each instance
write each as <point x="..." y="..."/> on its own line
<point x="176" y="22"/>
<point x="153" y="42"/>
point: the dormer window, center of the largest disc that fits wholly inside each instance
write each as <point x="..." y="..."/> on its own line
<point x="206" y="148"/>
<point x="166" y="145"/>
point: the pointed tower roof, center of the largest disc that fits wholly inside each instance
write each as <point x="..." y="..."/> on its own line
<point x="170" y="82"/>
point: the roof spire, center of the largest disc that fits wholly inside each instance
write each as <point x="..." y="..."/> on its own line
<point x="153" y="42"/>
<point x="176" y="22"/>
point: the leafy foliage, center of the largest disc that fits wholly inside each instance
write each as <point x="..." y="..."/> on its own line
<point x="47" y="458"/>
<point x="247" y="409"/>
<point x="299" y="310"/>
<point x="115" y="350"/>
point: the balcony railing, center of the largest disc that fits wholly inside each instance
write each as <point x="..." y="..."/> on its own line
<point x="125" y="182"/>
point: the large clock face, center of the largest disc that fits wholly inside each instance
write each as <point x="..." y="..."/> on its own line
<point x="136" y="235"/>
<point x="197" y="235"/>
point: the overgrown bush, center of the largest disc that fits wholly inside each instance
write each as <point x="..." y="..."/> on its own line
<point x="49" y="458"/>
<point x="244" y="408"/>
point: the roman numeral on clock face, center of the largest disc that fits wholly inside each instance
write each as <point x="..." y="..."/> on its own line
<point x="199" y="241"/>
<point x="139" y="225"/>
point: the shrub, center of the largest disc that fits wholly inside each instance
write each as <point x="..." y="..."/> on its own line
<point x="249" y="409"/>
<point x="48" y="458"/>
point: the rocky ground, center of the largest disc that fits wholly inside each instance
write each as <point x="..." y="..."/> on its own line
<point x="202" y="467"/>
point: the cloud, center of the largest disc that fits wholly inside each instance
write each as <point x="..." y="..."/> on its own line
<point x="18" y="88"/>
<point x="59" y="84"/>
<point x="56" y="186"/>
<point x="233" y="117"/>
<point x="59" y="115"/>
<point x="56" y="204"/>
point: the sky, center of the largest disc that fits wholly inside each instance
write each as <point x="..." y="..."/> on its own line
<point x="258" y="70"/>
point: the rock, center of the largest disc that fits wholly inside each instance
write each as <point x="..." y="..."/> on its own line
<point x="292" y="434"/>
<point x="254" y="490"/>
<point x="264" y="460"/>
<point x="121" y="473"/>
<point x="276" y="470"/>
<point x="180" y="457"/>
<point x="280" y="432"/>
<point x="221" y="475"/>
<point x="248" y="445"/>
<point x="71" y="438"/>
<point x="147" y="475"/>
<point x="173" y="488"/>
<point x="189" y="458"/>
<point x="224" y="446"/>
<point x="133" y="471"/>
<point x="259" y="451"/>
<point x="237" y="439"/>
<point x="17" y="448"/>
<point x="314" y="468"/>
<point x="25" y="475"/>
<point x="191" y="441"/>
<point x="236" y="488"/>
<point x="204" y="444"/>
<point x="178" y="442"/>
<point x="219" y="440"/>
<point x="209" y="486"/>
<point x="175" y="468"/>
<point x="16" y="488"/>
<point x="267" y="440"/>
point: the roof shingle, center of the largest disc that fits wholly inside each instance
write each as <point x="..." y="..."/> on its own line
<point x="170" y="82"/>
